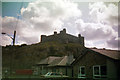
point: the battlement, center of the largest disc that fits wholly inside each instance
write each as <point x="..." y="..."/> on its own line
<point x="63" y="31"/>
<point x="63" y="37"/>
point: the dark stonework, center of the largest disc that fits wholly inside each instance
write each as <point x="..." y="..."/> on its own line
<point x="63" y="37"/>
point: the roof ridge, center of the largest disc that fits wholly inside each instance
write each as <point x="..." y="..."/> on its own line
<point x="114" y="54"/>
<point x="104" y="49"/>
<point x="62" y="60"/>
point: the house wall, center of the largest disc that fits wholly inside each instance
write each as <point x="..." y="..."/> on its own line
<point x="61" y="69"/>
<point x="88" y="60"/>
<point x="69" y="71"/>
<point x="112" y="70"/>
<point x="40" y="70"/>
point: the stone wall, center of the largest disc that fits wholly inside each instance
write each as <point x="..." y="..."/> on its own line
<point x="63" y="37"/>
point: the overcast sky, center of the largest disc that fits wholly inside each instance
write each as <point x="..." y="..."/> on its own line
<point x="96" y="21"/>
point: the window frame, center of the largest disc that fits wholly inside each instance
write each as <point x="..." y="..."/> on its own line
<point x="80" y="75"/>
<point x="94" y="75"/>
<point x="99" y="75"/>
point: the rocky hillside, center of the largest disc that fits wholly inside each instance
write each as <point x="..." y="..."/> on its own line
<point x="24" y="56"/>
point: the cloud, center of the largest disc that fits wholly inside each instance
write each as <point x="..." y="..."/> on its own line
<point x="113" y="42"/>
<point x="103" y="26"/>
<point x="103" y="13"/>
<point x="25" y="33"/>
<point x="39" y="18"/>
<point x="101" y="30"/>
<point x="5" y="41"/>
<point x="48" y="16"/>
<point x="95" y="31"/>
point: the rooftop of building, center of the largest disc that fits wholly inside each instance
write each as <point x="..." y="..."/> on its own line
<point x="114" y="54"/>
<point x="55" y="61"/>
<point x="64" y="32"/>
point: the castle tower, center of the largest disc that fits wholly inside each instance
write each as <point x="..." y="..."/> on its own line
<point x="63" y="37"/>
<point x="63" y="31"/>
<point x="43" y="38"/>
<point x="81" y="39"/>
<point x="79" y="35"/>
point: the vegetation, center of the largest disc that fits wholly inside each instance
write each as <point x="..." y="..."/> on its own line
<point x="25" y="56"/>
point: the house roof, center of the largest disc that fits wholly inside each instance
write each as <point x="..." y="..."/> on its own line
<point x="55" y="61"/>
<point x="63" y="61"/>
<point x="48" y="60"/>
<point x="114" y="54"/>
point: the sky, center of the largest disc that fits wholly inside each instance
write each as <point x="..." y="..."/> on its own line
<point x="96" y="21"/>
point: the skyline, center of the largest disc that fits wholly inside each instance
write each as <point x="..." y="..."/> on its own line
<point x="40" y="18"/>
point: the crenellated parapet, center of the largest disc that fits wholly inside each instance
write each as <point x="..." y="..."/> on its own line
<point x="63" y="37"/>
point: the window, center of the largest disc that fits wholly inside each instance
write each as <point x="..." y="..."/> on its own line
<point x="103" y="70"/>
<point x="96" y="71"/>
<point x="99" y="71"/>
<point x="81" y="72"/>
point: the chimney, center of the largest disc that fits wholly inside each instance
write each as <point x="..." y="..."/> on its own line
<point x="70" y="58"/>
<point x="94" y="48"/>
<point x="103" y="48"/>
<point x="55" y="33"/>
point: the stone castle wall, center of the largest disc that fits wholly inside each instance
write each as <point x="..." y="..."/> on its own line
<point x="63" y="37"/>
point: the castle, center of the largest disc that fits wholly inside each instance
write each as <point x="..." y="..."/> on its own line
<point x="63" y="37"/>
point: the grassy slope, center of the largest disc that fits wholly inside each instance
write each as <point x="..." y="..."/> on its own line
<point x="25" y="56"/>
